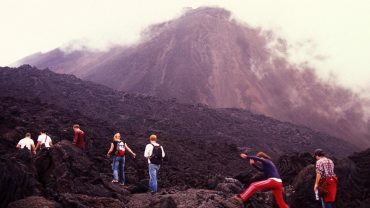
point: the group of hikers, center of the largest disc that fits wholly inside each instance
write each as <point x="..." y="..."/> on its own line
<point x="44" y="141"/>
<point x="325" y="186"/>
<point x="154" y="153"/>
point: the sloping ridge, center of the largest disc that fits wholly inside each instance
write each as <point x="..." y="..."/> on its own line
<point x="205" y="56"/>
<point x="200" y="142"/>
<point x="141" y="114"/>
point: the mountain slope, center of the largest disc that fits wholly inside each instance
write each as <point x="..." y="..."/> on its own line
<point x="207" y="57"/>
<point x="200" y="142"/>
<point x="139" y="115"/>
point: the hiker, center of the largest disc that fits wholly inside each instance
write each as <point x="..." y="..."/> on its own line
<point x="43" y="141"/>
<point x="326" y="180"/>
<point x="272" y="181"/>
<point x="27" y="142"/>
<point x="118" y="147"/>
<point x="78" y="137"/>
<point x="154" y="153"/>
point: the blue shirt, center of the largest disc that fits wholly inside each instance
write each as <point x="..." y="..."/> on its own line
<point x="268" y="168"/>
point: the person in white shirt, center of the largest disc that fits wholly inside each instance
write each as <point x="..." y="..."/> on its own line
<point x="154" y="153"/>
<point x="27" y="142"/>
<point x="43" y="141"/>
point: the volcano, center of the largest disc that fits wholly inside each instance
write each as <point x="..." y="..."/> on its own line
<point x="205" y="56"/>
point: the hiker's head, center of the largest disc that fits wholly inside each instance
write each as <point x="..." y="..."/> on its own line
<point x="319" y="153"/>
<point x="28" y="134"/>
<point x="76" y="127"/>
<point x="153" y="138"/>
<point x="117" y="137"/>
<point x="42" y="131"/>
<point x="263" y="155"/>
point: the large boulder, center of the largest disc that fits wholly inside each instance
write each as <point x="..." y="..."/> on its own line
<point x="18" y="177"/>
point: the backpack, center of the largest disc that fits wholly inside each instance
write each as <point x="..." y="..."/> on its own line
<point x="120" y="148"/>
<point x="156" y="157"/>
<point x="43" y="145"/>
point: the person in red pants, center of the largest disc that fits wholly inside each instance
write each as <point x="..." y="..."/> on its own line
<point x="272" y="182"/>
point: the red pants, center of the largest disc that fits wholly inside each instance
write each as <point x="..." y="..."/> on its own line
<point x="275" y="186"/>
<point x="332" y="189"/>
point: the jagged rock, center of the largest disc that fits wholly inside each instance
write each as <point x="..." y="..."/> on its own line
<point x="18" y="178"/>
<point x="290" y="165"/>
<point x="188" y="198"/>
<point x="229" y="185"/>
<point x="34" y="202"/>
<point x="87" y="201"/>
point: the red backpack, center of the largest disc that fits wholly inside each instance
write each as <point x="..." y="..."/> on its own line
<point x="120" y="148"/>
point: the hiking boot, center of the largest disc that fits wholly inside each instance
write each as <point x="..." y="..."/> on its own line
<point x="236" y="200"/>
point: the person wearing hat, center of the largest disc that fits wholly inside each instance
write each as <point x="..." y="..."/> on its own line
<point x="326" y="180"/>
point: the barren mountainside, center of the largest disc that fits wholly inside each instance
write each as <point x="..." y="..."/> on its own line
<point x="137" y="115"/>
<point x="206" y="56"/>
<point x="201" y="168"/>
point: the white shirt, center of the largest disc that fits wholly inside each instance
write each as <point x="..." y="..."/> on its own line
<point x="43" y="138"/>
<point x="26" y="142"/>
<point x="149" y="150"/>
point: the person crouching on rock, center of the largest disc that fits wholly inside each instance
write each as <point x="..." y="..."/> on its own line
<point x="27" y="142"/>
<point x="118" y="148"/>
<point x="272" y="182"/>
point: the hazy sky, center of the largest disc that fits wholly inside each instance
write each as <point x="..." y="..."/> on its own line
<point x="332" y="35"/>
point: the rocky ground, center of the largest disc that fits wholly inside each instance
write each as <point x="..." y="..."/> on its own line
<point x="64" y="177"/>
<point x="202" y="168"/>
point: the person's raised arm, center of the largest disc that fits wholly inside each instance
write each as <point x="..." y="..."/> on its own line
<point x="244" y="156"/>
<point x="251" y="160"/>
<point x="256" y="158"/>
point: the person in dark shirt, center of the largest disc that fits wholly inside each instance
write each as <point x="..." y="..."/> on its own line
<point x="117" y="149"/>
<point x="79" y="137"/>
<point x="272" y="181"/>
